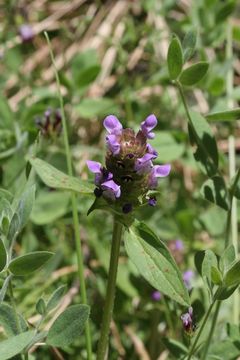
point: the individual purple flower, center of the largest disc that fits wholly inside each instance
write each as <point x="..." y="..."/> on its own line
<point x="113" y="144"/>
<point x="179" y="245"/>
<point x="148" y="125"/>
<point x="152" y="201"/>
<point x="187" y="320"/>
<point x="158" y="171"/>
<point x="26" y="33"/>
<point x="156" y="295"/>
<point x="151" y="150"/>
<point x="101" y="174"/>
<point x="187" y="278"/>
<point x="111" y="190"/>
<point x="144" y="164"/>
<point x="112" y="125"/>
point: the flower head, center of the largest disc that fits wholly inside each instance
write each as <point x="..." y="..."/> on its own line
<point x="156" y="295"/>
<point x="26" y="33"/>
<point x="129" y="172"/>
<point x="187" y="278"/>
<point x="187" y="321"/>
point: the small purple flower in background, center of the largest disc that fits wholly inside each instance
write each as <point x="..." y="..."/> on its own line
<point x="129" y="172"/>
<point x="187" y="278"/>
<point x="187" y="321"/>
<point x="179" y="245"/>
<point x="50" y="123"/>
<point x="26" y="33"/>
<point x="177" y="250"/>
<point x="156" y="295"/>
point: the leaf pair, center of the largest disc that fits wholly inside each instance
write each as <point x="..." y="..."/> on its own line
<point x="176" y="57"/>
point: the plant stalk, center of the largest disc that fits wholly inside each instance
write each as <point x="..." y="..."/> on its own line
<point x="109" y="302"/>
<point x="74" y="204"/>
<point x="211" y="332"/>
<point x="194" y="345"/>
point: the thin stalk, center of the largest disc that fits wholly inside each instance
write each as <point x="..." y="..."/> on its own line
<point x="74" y="204"/>
<point x="109" y="302"/>
<point x="211" y="332"/>
<point x="168" y="316"/>
<point x="194" y="345"/>
<point x="12" y="300"/>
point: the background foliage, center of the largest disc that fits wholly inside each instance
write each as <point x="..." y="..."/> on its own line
<point x="112" y="58"/>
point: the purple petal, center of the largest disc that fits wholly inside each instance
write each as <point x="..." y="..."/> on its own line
<point x="113" y="144"/>
<point x="162" y="170"/>
<point x="94" y="166"/>
<point x="156" y="295"/>
<point x="26" y="33"/>
<point x="152" y="201"/>
<point x="151" y="150"/>
<point x="112" y="125"/>
<point x="144" y="164"/>
<point x="111" y="189"/>
<point x="148" y="125"/>
<point x="179" y="245"/>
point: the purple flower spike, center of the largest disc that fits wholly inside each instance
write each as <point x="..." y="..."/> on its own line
<point x="156" y="296"/>
<point x="111" y="190"/>
<point x="112" y="125"/>
<point x="144" y="164"/>
<point x="113" y="144"/>
<point x="148" y="125"/>
<point x="187" y="320"/>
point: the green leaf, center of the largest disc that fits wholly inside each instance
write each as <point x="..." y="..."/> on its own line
<point x="175" y="58"/>
<point x="3" y="255"/>
<point x="234" y="187"/>
<point x="14" y="345"/>
<point x="68" y="326"/>
<point x="41" y="306"/>
<point x="189" y="44"/>
<point x="176" y="348"/>
<point x="205" y="146"/>
<point x="224" y="11"/>
<point x="9" y="322"/>
<point x="209" y="261"/>
<point x="14" y="227"/>
<point x="167" y="147"/>
<point x="93" y="107"/>
<point x="55" y="298"/>
<point x="50" y="206"/>
<point x="224" y="292"/>
<point x="216" y="276"/>
<point x="232" y="277"/>
<point x="25" y="206"/>
<point x="155" y="263"/>
<point x="55" y="178"/>
<point x="226" y="349"/>
<point x="198" y="260"/>
<point x="28" y="263"/>
<point x="228" y="257"/>
<point x="194" y="73"/>
<point x="215" y="191"/>
<point x="87" y="76"/>
<point x="229" y="115"/>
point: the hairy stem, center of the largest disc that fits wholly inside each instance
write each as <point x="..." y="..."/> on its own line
<point x="109" y="302"/>
<point x="74" y="205"/>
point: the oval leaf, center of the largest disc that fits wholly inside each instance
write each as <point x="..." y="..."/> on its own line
<point x="55" y="178"/>
<point x="26" y="264"/>
<point x="205" y="146"/>
<point x="194" y="73"/>
<point x="155" y="263"/>
<point x="232" y="277"/>
<point x="55" y="298"/>
<point x="3" y="255"/>
<point x="68" y="326"/>
<point x="15" y="344"/>
<point x="175" y="58"/>
<point x="215" y="191"/>
<point x="230" y="115"/>
<point x="9" y="322"/>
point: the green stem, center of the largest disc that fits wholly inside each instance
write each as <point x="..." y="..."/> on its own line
<point x="74" y="204"/>
<point x="109" y="302"/>
<point x="211" y="332"/>
<point x="194" y="345"/>
<point x="14" y="306"/>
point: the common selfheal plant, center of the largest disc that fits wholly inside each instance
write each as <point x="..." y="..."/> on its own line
<point x="129" y="174"/>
